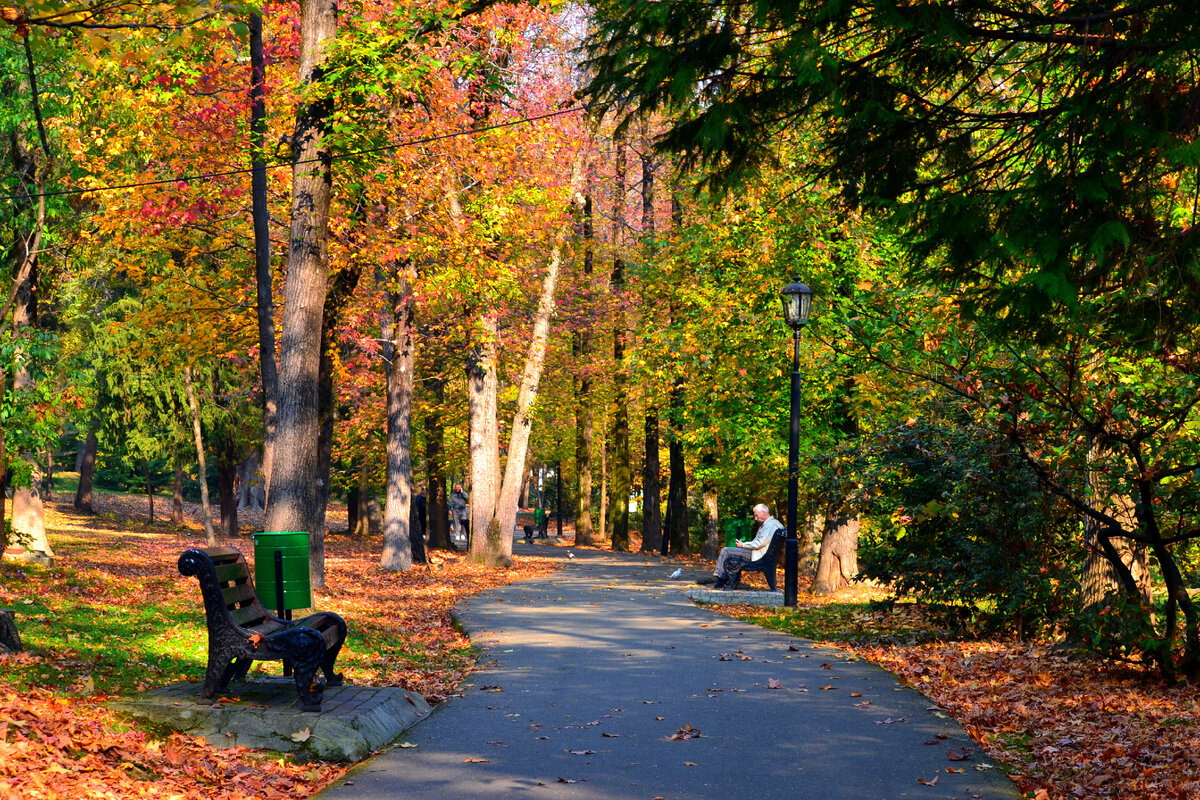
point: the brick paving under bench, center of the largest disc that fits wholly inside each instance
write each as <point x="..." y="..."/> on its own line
<point x="754" y="597"/>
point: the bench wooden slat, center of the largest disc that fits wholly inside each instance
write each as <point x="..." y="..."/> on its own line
<point x="248" y="616"/>
<point x="237" y="595"/>
<point x="235" y="572"/>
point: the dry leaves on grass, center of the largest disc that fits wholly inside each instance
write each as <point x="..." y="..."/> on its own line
<point x="55" y="747"/>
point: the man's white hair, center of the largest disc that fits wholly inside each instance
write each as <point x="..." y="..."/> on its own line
<point x="762" y="507"/>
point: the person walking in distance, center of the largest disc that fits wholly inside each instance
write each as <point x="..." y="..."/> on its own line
<point x="459" y="518"/>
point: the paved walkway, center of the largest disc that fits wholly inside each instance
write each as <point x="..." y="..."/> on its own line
<point x="604" y="681"/>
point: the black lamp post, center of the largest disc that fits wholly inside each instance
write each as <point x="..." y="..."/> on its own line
<point x="797" y="303"/>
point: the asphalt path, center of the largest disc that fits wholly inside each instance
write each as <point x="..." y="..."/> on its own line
<point x="604" y="681"/>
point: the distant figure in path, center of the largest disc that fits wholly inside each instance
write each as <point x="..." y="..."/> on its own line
<point x="540" y="518"/>
<point x="458" y="511"/>
<point x="751" y="550"/>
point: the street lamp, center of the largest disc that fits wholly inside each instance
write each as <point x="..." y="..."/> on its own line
<point x="797" y="303"/>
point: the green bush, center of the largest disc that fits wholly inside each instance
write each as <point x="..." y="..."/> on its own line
<point x="959" y="523"/>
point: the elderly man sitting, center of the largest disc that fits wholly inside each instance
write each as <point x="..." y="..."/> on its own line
<point x="751" y="550"/>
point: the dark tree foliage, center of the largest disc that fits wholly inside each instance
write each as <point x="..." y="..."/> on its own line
<point x="1042" y="151"/>
<point x="962" y="525"/>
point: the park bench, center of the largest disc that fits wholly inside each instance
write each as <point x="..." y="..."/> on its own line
<point x="241" y="630"/>
<point x="734" y="567"/>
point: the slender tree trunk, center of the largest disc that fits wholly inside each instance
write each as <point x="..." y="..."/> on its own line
<point x="712" y="533"/>
<point x="260" y="214"/>
<point x="604" y="446"/>
<point x="652" y="522"/>
<point x="619" y="486"/>
<point x="680" y="540"/>
<point x="149" y="490"/>
<point x="342" y="287"/>
<point x="584" y="420"/>
<point x="194" y="404"/>
<point x="295" y="471"/>
<point x="87" y="472"/>
<point x="399" y="356"/>
<point x="435" y="480"/>
<point x="807" y="561"/>
<point x="177" y="490"/>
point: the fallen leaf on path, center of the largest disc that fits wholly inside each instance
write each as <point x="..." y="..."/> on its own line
<point x="928" y="783"/>
<point x="774" y="684"/>
<point x="302" y="735"/>
<point x="473" y="760"/>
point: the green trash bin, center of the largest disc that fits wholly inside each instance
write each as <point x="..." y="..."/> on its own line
<point x="736" y="529"/>
<point x="291" y="566"/>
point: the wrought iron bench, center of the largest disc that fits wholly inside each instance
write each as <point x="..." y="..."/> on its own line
<point x="241" y="630"/>
<point x="734" y="567"/>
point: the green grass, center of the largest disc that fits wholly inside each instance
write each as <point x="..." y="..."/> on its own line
<point x="858" y="622"/>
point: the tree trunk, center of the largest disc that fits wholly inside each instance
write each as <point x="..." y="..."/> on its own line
<point x="87" y="472"/>
<point x="227" y="471"/>
<point x="619" y="486"/>
<point x="260" y="214"/>
<point x="149" y="490"/>
<point x="680" y="540"/>
<point x="839" y="554"/>
<point x="652" y="523"/>
<point x="584" y="422"/>
<point x="177" y="490"/>
<point x="194" y="404"/>
<point x="504" y="513"/>
<point x="435" y="480"/>
<point x="482" y="389"/>
<point x="604" y="445"/>
<point x="807" y="561"/>
<point x="712" y="534"/>
<point x="1098" y="578"/>
<point x="399" y="358"/>
<point x="293" y="504"/>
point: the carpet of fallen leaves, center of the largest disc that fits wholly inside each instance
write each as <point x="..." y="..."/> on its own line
<point x="1065" y="724"/>
<point x="60" y="741"/>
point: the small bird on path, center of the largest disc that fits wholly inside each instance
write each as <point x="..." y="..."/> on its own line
<point x="676" y="574"/>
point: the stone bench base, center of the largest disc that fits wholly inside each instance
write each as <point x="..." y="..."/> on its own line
<point x="354" y="721"/>
<point x="753" y="597"/>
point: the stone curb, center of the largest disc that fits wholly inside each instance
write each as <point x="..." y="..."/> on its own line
<point x="751" y="597"/>
<point x="354" y="721"/>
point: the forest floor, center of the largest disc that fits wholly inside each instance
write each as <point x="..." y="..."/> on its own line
<point x="114" y="617"/>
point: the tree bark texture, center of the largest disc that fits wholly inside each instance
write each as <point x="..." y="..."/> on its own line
<point x="712" y="532"/>
<point x="227" y="471"/>
<point x="293" y="503"/>
<point x="680" y="540"/>
<point x="839" y="554"/>
<point x="399" y="357"/>
<point x="585" y="535"/>
<point x="87" y="473"/>
<point x="652" y="522"/>
<point x="621" y="471"/>
<point x="435" y="480"/>
<point x="177" y="490"/>
<point x="10" y="638"/>
<point x="198" y="439"/>
<point x="260" y="214"/>
<point x="484" y="437"/>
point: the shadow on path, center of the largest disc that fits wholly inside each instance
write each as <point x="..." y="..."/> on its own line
<point x="604" y="681"/>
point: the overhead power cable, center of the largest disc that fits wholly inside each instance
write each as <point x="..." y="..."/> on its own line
<point x="336" y="157"/>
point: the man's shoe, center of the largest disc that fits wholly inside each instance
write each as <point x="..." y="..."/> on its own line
<point x="707" y="579"/>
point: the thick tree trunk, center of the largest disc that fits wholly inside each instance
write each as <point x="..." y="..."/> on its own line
<point x="227" y="470"/>
<point x="1098" y="578"/>
<point x="484" y="438"/>
<point x="293" y="504"/>
<point x="399" y="357"/>
<point x="260" y="214"/>
<point x="652" y="522"/>
<point x="807" y="561"/>
<point x="839" y="554"/>
<point x="87" y="472"/>
<point x="604" y="460"/>
<point x="206" y="507"/>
